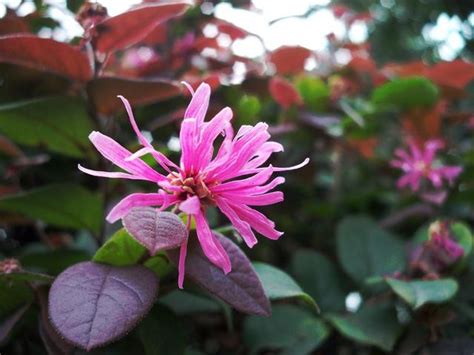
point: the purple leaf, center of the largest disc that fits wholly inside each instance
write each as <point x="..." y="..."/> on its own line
<point x="154" y="229"/>
<point x="241" y="288"/>
<point x="94" y="304"/>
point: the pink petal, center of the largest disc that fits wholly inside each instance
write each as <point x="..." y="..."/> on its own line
<point x="197" y="108"/>
<point x="209" y="134"/>
<point x="259" y="200"/>
<point x="254" y="180"/>
<point x="117" y="154"/>
<point x="242" y="227"/>
<point x="211" y="247"/>
<point x="159" y="157"/>
<point x="139" y="200"/>
<point x="191" y="205"/>
<point x="187" y="142"/>
<point x="182" y="263"/>
<point x="110" y="174"/>
<point x="257" y="221"/>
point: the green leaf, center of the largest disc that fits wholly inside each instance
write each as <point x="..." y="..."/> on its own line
<point x="27" y="276"/>
<point x="279" y="285"/>
<point x="418" y="293"/>
<point x="462" y="234"/>
<point x="290" y="329"/>
<point x="248" y="108"/>
<point x="315" y="93"/>
<point x="184" y="303"/>
<point x="60" y="124"/>
<point x="120" y="249"/>
<point x="365" y="250"/>
<point x="373" y="325"/>
<point x="320" y="278"/>
<point x="406" y="93"/>
<point x="62" y="205"/>
<point x="161" y="332"/>
<point x="159" y="264"/>
<point x="13" y="294"/>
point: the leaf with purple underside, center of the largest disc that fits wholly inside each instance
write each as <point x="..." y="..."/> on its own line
<point x="154" y="229"/>
<point x="241" y="288"/>
<point x="92" y="304"/>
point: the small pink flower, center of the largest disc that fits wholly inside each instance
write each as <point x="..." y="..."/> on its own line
<point x="418" y="163"/>
<point x="231" y="178"/>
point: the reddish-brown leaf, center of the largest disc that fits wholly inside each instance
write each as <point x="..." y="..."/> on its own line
<point x="456" y="74"/>
<point x="132" y="26"/>
<point x="284" y="93"/>
<point x="46" y="55"/>
<point x="11" y="23"/>
<point x="290" y="60"/>
<point x="103" y="92"/>
<point x="422" y="123"/>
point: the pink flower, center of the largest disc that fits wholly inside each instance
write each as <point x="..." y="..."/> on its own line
<point x="418" y="163"/>
<point x="231" y="177"/>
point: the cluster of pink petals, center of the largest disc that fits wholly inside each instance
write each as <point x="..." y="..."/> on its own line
<point x="231" y="177"/>
<point x="419" y="163"/>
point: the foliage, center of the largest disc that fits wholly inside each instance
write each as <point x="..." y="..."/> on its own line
<point x="364" y="266"/>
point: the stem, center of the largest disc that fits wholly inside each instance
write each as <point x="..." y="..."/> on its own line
<point x="417" y="210"/>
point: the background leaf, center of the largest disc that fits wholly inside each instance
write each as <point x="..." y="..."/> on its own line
<point x="59" y="124"/>
<point x="63" y="205"/>
<point x="320" y="278"/>
<point x="279" y="285"/>
<point x="35" y="52"/>
<point x="406" y="93"/>
<point x="161" y="332"/>
<point x="103" y="92"/>
<point x="365" y="250"/>
<point x="418" y="293"/>
<point x="289" y="329"/>
<point x="372" y="324"/>
<point x="130" y="27"/>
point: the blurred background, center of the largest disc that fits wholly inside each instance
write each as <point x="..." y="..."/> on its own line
<point x="345" y="83"/>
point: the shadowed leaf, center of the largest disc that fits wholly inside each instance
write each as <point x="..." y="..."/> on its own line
<point x="373" y="324"/>
<point x="93" y="304"/>
<point x="289" y="329"/>
<point x="103" y="92"/>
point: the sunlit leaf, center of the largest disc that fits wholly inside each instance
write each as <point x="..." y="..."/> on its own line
<point x="58" y="124"/>
<point x="35" y="52"/>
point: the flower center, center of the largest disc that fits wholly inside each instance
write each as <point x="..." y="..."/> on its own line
<point x="421" y="166"/>
<point x="193" y="185"/>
